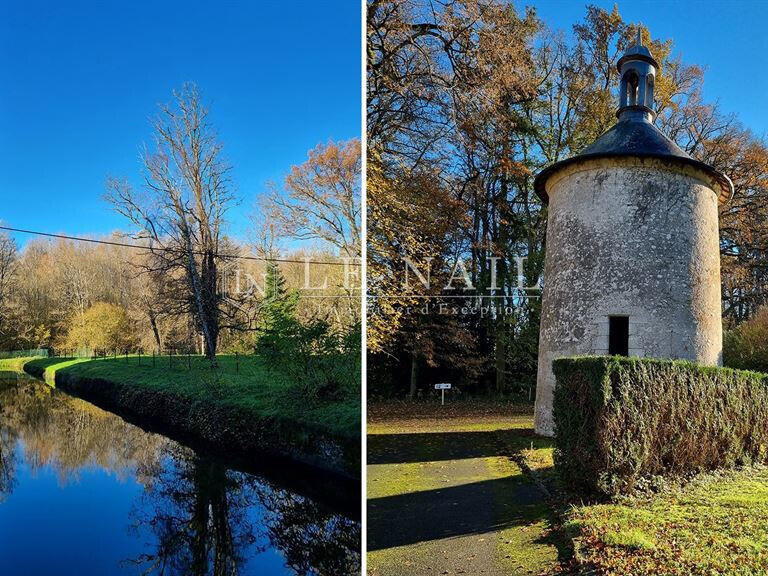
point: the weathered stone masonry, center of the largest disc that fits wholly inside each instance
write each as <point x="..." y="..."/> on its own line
<point x="633" y="233"/>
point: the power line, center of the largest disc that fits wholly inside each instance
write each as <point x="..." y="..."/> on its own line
<point x="172" y="250"/>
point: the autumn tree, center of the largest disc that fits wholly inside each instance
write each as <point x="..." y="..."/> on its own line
<point x="446" y="90"/>
<point x="398" y="241"/>
<point x="321" y="198"/>
<point x="102" y="328"/>
<point x="317" y="208"/>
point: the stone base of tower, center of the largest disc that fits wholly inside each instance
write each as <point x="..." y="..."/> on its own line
<point x="543" y="423"/>
<point x="635" y="239"/>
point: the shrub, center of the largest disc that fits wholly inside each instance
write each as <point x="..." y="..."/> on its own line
<point x="746" y="345"/>
<point x="102" y="328"/>
<point x="620" y="421"/>
<point x="321" y="364"/>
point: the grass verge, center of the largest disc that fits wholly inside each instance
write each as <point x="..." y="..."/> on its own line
<point x="242" y="408"/>
<point x="714" y="525"/>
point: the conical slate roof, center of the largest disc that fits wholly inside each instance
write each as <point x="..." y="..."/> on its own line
<point x="637" y="139"/>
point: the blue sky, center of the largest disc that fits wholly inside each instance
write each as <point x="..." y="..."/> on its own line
<point x="80" y="80"/>
<point x="728" y="38"/>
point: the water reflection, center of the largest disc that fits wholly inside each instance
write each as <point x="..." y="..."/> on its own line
<point x="186" y="513"/>
<point x="7" y="462"/>
<point x="198" y="512"/>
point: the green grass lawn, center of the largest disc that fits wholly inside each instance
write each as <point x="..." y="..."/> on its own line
<point x="244" y="382"/>
<point x="715" y="525"/>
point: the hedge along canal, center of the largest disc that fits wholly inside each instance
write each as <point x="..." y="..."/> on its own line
<point x="240" y="410"/>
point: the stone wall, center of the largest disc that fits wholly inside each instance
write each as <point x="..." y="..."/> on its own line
<point x="631" y="237"/>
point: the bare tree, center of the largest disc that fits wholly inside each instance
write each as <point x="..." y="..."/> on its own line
<point x="181" y="209"/>
<point x="8" y="258"/>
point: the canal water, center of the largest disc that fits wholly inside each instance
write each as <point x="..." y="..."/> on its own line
<point x="84" y="493"/>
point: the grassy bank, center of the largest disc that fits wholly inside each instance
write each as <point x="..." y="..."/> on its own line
<point x="715" y="525"/>
<point x="242" y="407"/>
<point x="13" y="364"/>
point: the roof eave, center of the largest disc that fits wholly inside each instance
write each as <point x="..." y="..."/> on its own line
<point x="726" y="185"/>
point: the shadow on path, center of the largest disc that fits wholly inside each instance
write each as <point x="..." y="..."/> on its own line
<point x="436" y="446"/>
<point x="474" y="508"/>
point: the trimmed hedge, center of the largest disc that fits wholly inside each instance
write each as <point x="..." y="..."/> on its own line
<point x="619" y="421"/>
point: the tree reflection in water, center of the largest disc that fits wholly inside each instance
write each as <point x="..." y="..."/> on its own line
<point x="313" y="541"/>
<point x="203" y="518"/>
<point x="69" y="435"/>
<point x="7" y="460"/>
<point x="8" y="439"/>
<point x="198" y="514"/>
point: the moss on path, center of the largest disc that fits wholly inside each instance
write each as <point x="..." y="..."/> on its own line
<point x="446" y="498"/>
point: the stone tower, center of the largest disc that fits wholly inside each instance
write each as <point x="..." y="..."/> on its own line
<point x="632" y="254"/>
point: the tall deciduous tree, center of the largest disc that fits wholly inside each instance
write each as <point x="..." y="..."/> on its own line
<point x="181" y="209"/>
<point x="8" y="264"/>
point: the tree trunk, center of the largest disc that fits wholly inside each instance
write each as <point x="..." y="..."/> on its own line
<point x="414" y="374"/>
<point x="501" y="351"/>
<point x="155" y="331"/>
<point x="200" y="523"/>
<point x="200" y="303"/>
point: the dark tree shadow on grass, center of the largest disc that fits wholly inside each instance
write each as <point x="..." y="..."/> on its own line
<point x="472" y="508"/>
<point x="435" y="446"/>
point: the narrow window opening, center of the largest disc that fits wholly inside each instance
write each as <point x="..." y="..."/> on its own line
<point x="632" y="86"/>
<point x="618" y="335"/>
<point x="649" y="92"/>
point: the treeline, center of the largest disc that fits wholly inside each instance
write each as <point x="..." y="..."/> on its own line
<point x="176" y="280"/>
<point x="467" y="101"/>
<point x="68" y="295"/>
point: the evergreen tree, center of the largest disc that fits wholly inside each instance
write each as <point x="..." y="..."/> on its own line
<point x="278" y="308"/>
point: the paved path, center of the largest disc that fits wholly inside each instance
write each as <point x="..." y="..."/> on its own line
<point x="445" y="498"/>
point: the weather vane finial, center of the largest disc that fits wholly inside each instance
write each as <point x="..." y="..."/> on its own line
<point x="639" y="41"/>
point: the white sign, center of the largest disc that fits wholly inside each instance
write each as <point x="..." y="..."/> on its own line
<point x="443" y="386"/>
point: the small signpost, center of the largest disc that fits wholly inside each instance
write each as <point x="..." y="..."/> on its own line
<point x="442" y="387"/>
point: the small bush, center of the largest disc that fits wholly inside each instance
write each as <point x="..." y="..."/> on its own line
<point x="321" y="364"/>
<point x="620" y="421"/>
<point x="746" y="345"/>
